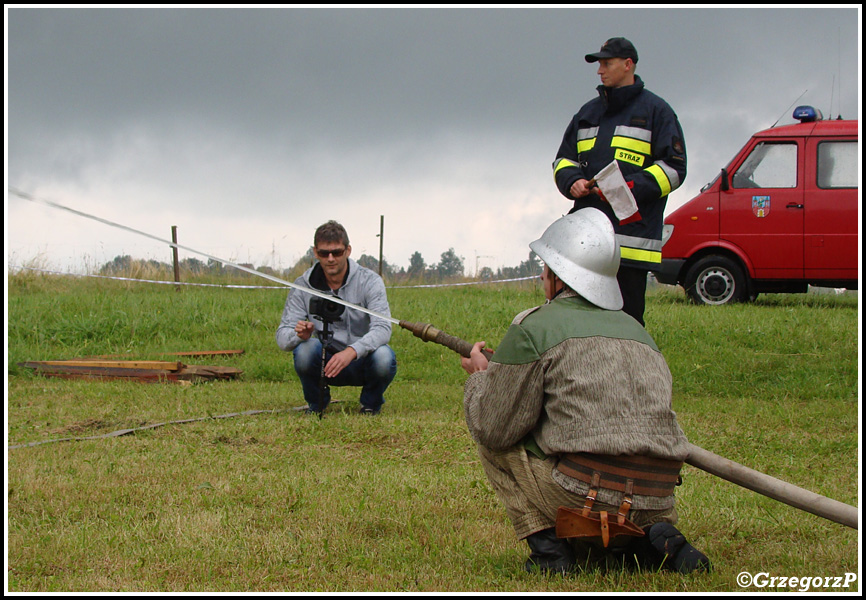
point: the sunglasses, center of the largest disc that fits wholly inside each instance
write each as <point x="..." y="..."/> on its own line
<point x="324" y="253"/>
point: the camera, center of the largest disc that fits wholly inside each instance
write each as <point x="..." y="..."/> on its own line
<point x="326" y="310"/>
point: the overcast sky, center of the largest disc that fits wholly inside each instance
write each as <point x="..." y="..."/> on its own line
<point x="247" y="128"/>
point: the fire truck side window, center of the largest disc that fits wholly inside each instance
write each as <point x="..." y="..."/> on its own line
<point x="768" y="166"/>
<point x="837" y="165"/>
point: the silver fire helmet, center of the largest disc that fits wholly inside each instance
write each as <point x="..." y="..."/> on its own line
<point x="581" y="249"/>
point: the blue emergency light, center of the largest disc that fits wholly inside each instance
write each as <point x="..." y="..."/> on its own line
<point x="807" y="114"/>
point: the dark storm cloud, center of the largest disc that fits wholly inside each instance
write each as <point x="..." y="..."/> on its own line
<point x="294" y="114"/>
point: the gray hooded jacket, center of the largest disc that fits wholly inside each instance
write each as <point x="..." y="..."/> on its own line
<point x="363" y="332"/>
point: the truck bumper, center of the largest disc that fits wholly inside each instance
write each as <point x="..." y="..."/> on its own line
<point x="669" y="271"/>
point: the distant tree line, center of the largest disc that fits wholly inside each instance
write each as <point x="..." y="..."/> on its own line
<point x="450" y="267"/>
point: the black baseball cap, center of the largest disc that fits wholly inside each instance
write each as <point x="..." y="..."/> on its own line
<point x="617" y="47"/>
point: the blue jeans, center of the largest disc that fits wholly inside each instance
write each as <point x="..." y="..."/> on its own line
<point x="373" y="373"/>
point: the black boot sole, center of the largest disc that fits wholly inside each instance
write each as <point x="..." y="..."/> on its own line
<point x="681" y="556"/>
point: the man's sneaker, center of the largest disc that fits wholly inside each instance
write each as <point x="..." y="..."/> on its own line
<point x="679" y="555"/>
<point x="370" y="411"/>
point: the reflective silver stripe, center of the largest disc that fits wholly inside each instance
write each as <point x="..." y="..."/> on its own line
<point x="671" y="173"/>
<point x="587" y="134"/>
<point x="631" y="241"/>
<point x="634" y="132"/>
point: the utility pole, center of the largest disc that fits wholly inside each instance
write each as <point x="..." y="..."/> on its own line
<point x="381" y="237"/>
<point x="477" y="256"/>
<point x="174" y="257"/>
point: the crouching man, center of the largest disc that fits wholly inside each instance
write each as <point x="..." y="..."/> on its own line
<point x="573" y="419"/>
<point x="357" y="350"/>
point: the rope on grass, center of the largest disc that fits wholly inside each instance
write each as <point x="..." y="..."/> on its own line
<point x="267" y="287"/>
<point x="121" y="432"/>
<point x="157" y="281"/>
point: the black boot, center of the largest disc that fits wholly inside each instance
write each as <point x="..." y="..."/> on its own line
<point x="673" y="551"/>
<point x="548" y="553"/>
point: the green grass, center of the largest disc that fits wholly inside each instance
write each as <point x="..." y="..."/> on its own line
<point x="284" y="502"/>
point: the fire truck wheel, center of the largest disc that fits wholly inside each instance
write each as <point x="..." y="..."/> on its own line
<point x="716" y="280"/>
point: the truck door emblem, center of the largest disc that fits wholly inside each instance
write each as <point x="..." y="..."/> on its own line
<point x="761" y="206"/>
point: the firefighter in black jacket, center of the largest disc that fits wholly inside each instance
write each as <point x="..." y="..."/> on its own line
<point x="639" y="130"/>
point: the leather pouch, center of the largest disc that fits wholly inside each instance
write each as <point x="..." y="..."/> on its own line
<point x="585" y="522"/>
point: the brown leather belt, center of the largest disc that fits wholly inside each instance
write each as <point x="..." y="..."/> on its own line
<point x="648" y="476"/>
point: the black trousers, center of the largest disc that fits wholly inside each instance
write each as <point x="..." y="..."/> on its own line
<point x="632" y="285"/>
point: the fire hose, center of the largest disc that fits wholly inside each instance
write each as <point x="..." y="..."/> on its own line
<point x="714" y="464"/>
<point x="705" y="460"/>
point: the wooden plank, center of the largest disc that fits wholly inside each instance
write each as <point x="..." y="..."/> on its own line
<point x="208" y="372"/>
<point x="162" y="365"/>
<point x="93" y="371"/>
<point x="150" y="376"/>
<point x="205" y="353"/>
<point x="192" y="353"/>
<point x="218" y="369"/>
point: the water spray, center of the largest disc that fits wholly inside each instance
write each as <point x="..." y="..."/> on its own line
<point x="301" y="288"/>
<point x="423" y="331"/>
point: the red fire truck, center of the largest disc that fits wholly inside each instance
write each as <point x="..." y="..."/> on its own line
<point x="781" y="216"/>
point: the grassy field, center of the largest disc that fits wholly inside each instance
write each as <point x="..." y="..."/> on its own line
<point x="280" y="501"/>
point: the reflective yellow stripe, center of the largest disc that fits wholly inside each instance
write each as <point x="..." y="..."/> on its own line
<point x="561" y="164"/>
<point x="649" y="256"/>
<point x="631" y="144"/>
<point x="661" y="178"/>
<point x="585" y="145"/>
<point x="629" y="157"/>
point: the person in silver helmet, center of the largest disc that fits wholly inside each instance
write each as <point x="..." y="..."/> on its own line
<point x="572" y="416"/>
